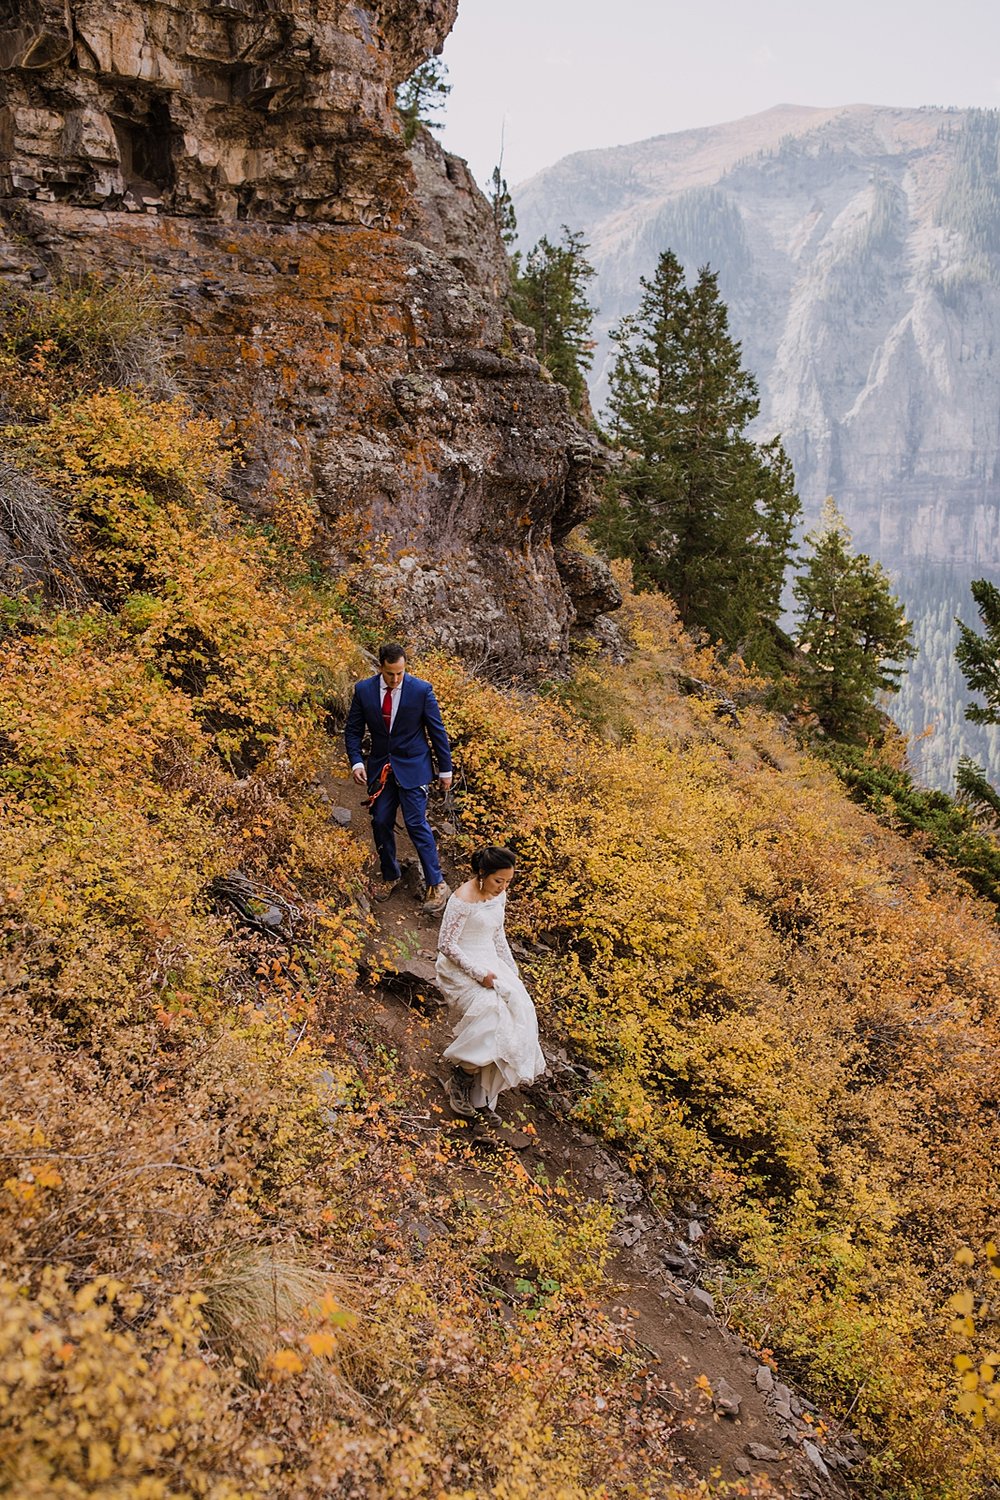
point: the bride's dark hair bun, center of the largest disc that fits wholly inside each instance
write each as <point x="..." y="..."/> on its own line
<point x="492" y="857"/>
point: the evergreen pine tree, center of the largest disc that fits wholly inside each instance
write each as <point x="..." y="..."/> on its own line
<point x="979" y="658"/>
<point x="703" y="512"/>
<point x="421" y="96"/>
<point x="502" y="204"/>
<point x="853" y="630"/>
<point x="979" y="655"/>
<point x="550" y="295"/>
<point x="975" y="788"/>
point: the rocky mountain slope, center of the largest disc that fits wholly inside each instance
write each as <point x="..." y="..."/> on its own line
<point x="857" y="249"/>
<point x="338" y="300"/>
<point x="244" y="1252"/>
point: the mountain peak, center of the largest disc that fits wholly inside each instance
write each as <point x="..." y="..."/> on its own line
<point x="708" y="150"/>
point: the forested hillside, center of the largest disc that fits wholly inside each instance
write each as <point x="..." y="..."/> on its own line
<point x="856" y="251"/>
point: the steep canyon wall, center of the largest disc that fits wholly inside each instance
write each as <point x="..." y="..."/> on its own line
<point x="858" y="250"/>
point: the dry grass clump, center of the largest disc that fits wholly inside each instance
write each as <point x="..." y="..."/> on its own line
<point x="35" y="549"/>
<point x="260" y="1298"/>
<point x="74" y="334"/>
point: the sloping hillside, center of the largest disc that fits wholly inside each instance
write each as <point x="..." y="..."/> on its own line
<point x="231" y="1259"/>
<point x="244" y="1252"/>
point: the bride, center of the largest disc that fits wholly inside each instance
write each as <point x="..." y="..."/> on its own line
<point x="495" y="1045"/>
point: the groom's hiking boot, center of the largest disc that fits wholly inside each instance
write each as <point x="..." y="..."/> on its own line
<point x="459" y="1091"/>
<point x="387" y="888"/>
<point x="436" y="898"/>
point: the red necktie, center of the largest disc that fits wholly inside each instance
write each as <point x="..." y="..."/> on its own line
<point x="387" y="710"/>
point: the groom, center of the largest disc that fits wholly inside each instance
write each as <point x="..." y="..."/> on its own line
<point x="401" y="714"/>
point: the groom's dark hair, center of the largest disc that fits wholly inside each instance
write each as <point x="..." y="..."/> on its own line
<point x="391" y="651"/>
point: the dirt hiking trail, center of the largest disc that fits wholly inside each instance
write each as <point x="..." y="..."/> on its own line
<point x="753" y="1423"/>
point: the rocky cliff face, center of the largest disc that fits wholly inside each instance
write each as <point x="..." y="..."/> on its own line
<point x="338" y="300"/>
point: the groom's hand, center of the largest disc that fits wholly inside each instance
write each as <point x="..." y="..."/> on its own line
<point x="445" y="779"/>
<point x="360" y="775"/>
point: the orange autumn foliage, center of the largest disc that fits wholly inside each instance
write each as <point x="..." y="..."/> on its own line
<point x="210" y="1173"/>
<point x="208" y="1178"/>
<point x="786" y="1008"/>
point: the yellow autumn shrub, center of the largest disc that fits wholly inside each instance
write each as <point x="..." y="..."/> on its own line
<point x="786" y="1008"/>
<point x="208" y="1170"/>
<point x="192" y="588"/>
<point x="974" y="1316"/>
<point x="98" y="1402"/>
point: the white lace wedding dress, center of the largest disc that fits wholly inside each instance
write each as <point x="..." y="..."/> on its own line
<point x="496" y="1029"/>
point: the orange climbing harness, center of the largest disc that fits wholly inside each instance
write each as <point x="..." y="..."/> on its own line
<point x="380" y="788"/>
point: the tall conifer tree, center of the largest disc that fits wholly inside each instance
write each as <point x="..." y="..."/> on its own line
<point x="504" y="215"/>
<point x="550" y="295"/>
<point x="421" y="96"/>
<point x="979" y="655"/>
<point x="979" y="658"/>
<point x="703" y="512"/>
<point x="852" y="629"/>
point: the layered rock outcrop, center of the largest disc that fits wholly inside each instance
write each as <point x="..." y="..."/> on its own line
<point x="235" y="110"/>
<point x="338" y="300"/>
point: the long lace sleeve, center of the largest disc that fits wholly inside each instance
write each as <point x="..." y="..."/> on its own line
<point x="452" y="924"/>
<point x="500" y="941"/>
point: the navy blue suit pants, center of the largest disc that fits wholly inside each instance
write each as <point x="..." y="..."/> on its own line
<point x="413" y="801"/>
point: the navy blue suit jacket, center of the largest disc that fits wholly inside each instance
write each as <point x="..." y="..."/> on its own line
<point x="417" y="726"/>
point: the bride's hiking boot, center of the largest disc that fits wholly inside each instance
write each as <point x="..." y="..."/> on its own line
<point x="436" y="898"/>
<point x="459" y="1091"/>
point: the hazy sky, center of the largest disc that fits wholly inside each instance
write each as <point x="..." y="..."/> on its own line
<point x="563" y="75"/>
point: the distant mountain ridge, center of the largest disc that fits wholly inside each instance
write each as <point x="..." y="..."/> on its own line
<point x="858" y="249"/>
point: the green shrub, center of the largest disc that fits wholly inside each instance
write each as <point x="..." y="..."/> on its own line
<point x="947" y="828"/>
